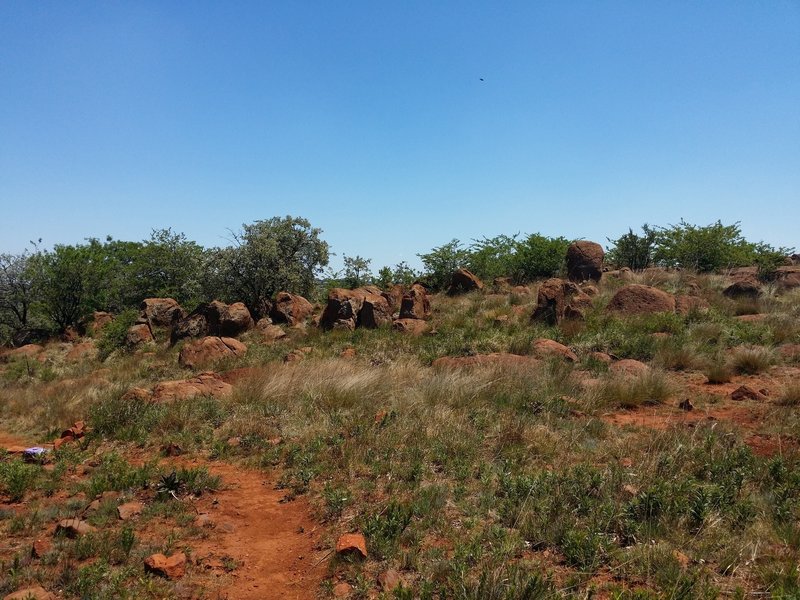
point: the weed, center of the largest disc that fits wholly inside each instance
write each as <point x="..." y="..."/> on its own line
<point x="750" y="361"/>
<point x="650" y="387"/>
<point x="17" y="478"/>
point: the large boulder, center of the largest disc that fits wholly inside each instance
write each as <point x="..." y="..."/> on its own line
<point x="99" y="320"/>
<point x="558" y="299"/>
<point x="342" y="309"/>
<point x="415" y="303"/>
<point x="584" y="261"/>
<point x="545" y="348"/>
<point x="745" y="284"/>
<point x="636" y="299"/>
<point x="162" y="312"/>
<point x="394" y="296"/>
<point x="213" y="318"/>
<point x="788" y="278"/>
<point x="375" y="312"/>
<point x="209" y="349"/>
<point x="290" y="308"/>
<point x="464" y="281"/>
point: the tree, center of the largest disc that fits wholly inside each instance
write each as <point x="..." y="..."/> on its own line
<point x="356" y="271"/>
<point x="442" y="261"/>
<point x="267" y="257"/>
<point x="538" y="256"/>
<point x="493" y="257"/>
<point x="703" y="249"/>
<point x="632" y="250"/>
<point x="16" y="293"/>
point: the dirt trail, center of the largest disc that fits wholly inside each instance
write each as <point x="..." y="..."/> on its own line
<point x="272" y="544"/>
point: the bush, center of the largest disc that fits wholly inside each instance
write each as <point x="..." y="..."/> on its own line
<point x="703" y="249"/>
<point x="749" y="361"/>
<point x="632" y="250"/>
<point x="113" y="335"/>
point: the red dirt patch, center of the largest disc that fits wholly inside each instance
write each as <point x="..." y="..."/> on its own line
<point x="273" y="542"/>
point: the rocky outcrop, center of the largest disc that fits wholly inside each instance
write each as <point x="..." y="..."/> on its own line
<point x="635" y="299"/>
<point x="204" y="384"/>
<point x="463" y="281"/>
<point x="138" y="335"/>
<point x="290" y="308"/>
<point x="584" y="261"/>
<point x="196" y="353"/>
<point x="375" y="312"/>
<point x="342" y="309"/>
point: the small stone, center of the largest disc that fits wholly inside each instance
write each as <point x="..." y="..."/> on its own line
<point x="686" y="405"/>
<point x="172" y="567"/>
<point x="129" y="510"/>
<point x="341" y="590"/>
<point x="40" y="548"/>
<point x="74" y="528"/>
<point x="352" y="543"/>
<point x="171" y="450"/>
<point x="745" y="392"/>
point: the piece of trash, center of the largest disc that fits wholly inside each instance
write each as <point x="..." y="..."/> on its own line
<point x="34" y="453"/>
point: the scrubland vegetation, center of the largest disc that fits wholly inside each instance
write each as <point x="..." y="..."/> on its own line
<point x="629" y="469"/>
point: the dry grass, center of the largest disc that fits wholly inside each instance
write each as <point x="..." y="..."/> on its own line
<point x="752" y="360"/>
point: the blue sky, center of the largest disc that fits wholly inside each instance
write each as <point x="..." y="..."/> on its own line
<point x="371" y="120"/>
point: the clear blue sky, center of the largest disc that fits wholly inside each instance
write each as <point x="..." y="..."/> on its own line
<point x="371" y="120"/>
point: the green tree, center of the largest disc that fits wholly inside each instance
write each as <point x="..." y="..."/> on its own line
<point x="356" y="271"/>
<point x="633" y="250"/>
<point x="281" y="253"/>
<point x="538" y="256"/>
<point x="493" y="257"/>
<point x="16" y="294"/>
<point x="703" y="249"/>
<point x="441" y="261"/>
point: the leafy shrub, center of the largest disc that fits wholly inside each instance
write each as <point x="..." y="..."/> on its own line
<point x="632" y="250"/>
<point x="113" y="335"/>
<point x="16" y="478"/>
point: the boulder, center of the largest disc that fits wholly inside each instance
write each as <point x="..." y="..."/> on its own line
<point x="584" y="261"/>
<point x="463" y="281"/>
<point x="744" y="285"/>
<point x="375" y="312"/>
<point x="623" y="274"/>
<point x="410" y="326"/>
<point x="138" y="335"/>
<point x="127" y="511"/>
<point x="394" y="296"/>
<point x="745" y="392"/>
<point x="210" y="349"/>
<point x="213" y="318"/>
<point x="544" y="348"/>
<point x="162" y="312"/>
<point x="494" y="359"/>
<point x="787" y="278"/>
<point x="415" y="303"/>
<point x="635" y="299"/>
<point x="234" y="319"/>
<point x="170" y="567"/>
<point x="290" y="308"/>
<point x="268" y="331"/>
<point x="204" y="384"/>
<point x="26" y="351"/>
<point x="342" y="309"/>
<point x="554" y="296"/>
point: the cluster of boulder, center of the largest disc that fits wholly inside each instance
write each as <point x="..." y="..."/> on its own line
<point x="369" y="307"/>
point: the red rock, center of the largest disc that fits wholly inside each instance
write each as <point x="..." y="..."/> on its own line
<point x="129" y="510"/>
<point x="341" y="590"/>
<point x="204" y="384"/>
<point x="601" y="357"/>
<point x="269" y="332"/>
<point x="137" y="394"/>
<point x="744" y="285"/>
<point x="30" y="593"/>
<point x="234" y="320"/>
<point x="635" y="299"/>
<point x="544" y="348"/>
<point x="688" y="304"/>
<point x="74" y="528"/>
<point x="342" y="309"/>
<point x="411" y="326"/>
<point x="196" y="353"/>
<point x="57" y="443"/>
<point x="501" y="285"/>
<point x="26" y="351"/>
<point x="40" y="548"/>
<point x="375" y="312"/>
<point x="138" y="335"/>
<point x="751" y="318"/>
<point x="585" y="261"/>
<point x="745" y="392"/>
<point x="686" y="405"/>
<point x="172" y="567"/>
<point x="790" y="352"/>
<point x="162" y="312"/>
<point x="521" y="290"/>
<point x="787" y="277"/>
<point x="623" y="274"/>
<point x="558" y="299"/>
<point x="352" y="544"/>
<point x="348" y="353"/>
<point x="415" y="303"/>
<point x="290" y="308"/>
<point x="463" y="281"/>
